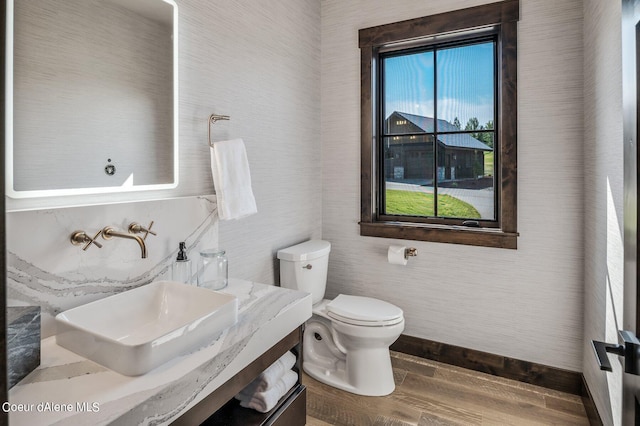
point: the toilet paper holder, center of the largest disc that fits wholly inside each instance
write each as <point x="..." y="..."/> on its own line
<point x="399" y="255"/>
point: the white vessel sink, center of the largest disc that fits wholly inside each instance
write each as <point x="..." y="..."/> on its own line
<point x="137" y="330"/>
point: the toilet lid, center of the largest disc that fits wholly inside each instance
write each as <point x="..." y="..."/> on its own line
<point x="360" y="310"/>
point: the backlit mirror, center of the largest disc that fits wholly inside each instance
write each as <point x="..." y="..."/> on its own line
<point x="91" y="97"/>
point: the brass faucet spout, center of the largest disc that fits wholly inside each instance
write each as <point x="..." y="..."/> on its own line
<point x="108" y="233"/>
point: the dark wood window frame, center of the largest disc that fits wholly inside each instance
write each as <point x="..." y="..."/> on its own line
<point x="503" y="17"/>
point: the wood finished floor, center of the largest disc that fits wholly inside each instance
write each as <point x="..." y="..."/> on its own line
<point x="431" y="393"/>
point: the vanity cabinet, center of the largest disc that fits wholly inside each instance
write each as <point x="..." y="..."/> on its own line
<point x="221" y="408"/>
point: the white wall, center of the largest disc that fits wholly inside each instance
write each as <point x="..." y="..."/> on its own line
<point x="258" y="62"/>
<point x="603" y="201"/>
<point x="524" y="303"/>
<point x="255" y="61"/>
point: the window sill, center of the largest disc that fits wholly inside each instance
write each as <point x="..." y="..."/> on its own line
<point x="484" y="237"/>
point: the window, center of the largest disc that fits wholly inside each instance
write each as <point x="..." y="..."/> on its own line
<point x="439" y="127"/>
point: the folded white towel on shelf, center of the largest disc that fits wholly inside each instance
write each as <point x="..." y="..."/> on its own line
<point x="266" y="400"/>
<point x="269" y="377"/>
<point x="232" y="180"/>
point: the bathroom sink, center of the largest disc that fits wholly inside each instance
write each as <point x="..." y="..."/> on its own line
<point x="137" y="330"/>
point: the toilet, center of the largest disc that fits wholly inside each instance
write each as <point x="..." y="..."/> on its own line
<point x="346" y="341"/>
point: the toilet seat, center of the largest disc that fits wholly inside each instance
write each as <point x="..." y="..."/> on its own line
<point x="363" y="311"/>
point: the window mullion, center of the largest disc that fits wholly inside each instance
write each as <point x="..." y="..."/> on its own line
<point x="380" y="130"/>
<point x="435" y="131"/>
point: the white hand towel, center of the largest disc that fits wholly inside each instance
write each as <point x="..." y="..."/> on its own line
<point x="269" y="377"/>
<point x="232" y="180"/>
<point x="265" y="401"/>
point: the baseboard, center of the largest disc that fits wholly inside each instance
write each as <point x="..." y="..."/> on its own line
<point x="590" y="406"/>
<point x="510" y="368"/>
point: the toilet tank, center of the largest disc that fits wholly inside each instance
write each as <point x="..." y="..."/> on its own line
<point x="304" y="267"/>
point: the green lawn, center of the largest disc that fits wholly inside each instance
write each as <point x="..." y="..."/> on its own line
<point x="488" y="163"/>
<point x="421" y="204"/>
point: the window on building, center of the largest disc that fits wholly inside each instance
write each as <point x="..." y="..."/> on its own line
<point x="439" y="127"/>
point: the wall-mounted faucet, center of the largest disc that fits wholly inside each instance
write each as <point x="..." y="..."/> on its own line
<point x="81" y="237"/>
<point x="136" y="228"/>
<point x="108" y="233"/>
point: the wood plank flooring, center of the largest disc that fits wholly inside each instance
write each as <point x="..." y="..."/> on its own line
<point x="431" y="393"/>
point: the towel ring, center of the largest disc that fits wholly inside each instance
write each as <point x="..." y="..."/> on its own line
<point x="213" y="118"/>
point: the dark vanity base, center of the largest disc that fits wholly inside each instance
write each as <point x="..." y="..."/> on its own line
<point x="290" y="411"/>
<point x="220" y="407"/>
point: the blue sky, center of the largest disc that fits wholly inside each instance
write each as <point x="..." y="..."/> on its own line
<point x="465" y="83"/>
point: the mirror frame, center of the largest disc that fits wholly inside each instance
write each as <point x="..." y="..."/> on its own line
<point x="9" y="100"/>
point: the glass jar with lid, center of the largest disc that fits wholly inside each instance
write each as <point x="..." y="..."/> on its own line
<point x="212" y="269"/>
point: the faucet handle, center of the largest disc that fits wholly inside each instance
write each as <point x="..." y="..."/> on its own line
<point x="81" y="237"/>
<point x="136" y="228"/>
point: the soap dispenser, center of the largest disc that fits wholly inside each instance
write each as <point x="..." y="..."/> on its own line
<point x="181" y="270"/>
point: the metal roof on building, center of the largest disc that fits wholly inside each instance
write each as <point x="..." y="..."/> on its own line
<point x="460" y="140"/>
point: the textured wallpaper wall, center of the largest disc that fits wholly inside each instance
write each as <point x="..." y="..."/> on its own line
<point x="258" y="62"/>
<point x="603" y="203"/>
<point x="524" y="303"/>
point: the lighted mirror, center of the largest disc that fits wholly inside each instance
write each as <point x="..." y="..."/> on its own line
<point x="91" y="97"/>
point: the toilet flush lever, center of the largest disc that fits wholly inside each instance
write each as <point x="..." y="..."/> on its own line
<point x="308" y="266"/>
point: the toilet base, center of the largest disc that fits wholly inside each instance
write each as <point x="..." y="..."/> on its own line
<point x="360" y="381"/>
<point x="335" y="377"/>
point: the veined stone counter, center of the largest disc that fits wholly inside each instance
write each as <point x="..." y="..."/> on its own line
<point x="69" y="389"/>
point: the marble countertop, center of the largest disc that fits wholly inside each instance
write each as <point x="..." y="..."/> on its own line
<point x="68" y="389"/>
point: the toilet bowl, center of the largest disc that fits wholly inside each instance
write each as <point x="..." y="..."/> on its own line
<point x="346" y="341"/>
<point x="351" y="357"/>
